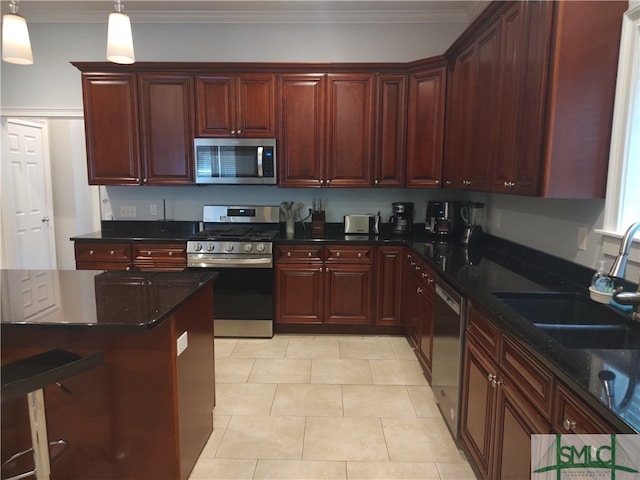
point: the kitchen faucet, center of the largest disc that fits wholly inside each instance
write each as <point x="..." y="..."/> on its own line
<point x="618" y="270"/>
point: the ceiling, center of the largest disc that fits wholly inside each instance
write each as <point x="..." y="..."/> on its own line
<point x="253" y="11"/>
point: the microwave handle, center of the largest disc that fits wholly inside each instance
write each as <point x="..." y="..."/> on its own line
<point x="260" y="170"/>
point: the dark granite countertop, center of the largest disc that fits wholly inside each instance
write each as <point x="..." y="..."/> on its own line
<point x="477" y="272"/>
<point x="97" y="299"/>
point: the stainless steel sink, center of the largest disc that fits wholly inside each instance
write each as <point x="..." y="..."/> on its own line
<point x="574" y="320"/>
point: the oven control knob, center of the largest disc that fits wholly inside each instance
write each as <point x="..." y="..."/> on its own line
<point x="260" y="247"/>
<point x="198" y="247"/>
<point x="210" y="247"/>
<point x="248" y="247"/>
<point x="228" y="247"/>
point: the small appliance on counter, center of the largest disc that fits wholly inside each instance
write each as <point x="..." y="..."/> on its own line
<point x="443" y="219"/>
<point x="401" y="220"/>
<point x="358" y="224"/>
<point x="471" y="214"/>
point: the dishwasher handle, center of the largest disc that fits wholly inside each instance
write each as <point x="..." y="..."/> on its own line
<point x="453" y="304"/>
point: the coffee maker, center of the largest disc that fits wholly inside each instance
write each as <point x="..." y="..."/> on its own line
<point x="401" y="220"/>
<point x="443" y="219"/>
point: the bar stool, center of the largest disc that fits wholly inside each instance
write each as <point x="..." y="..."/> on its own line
<point x="29" y="376"/>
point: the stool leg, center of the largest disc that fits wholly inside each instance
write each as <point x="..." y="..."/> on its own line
<point x="39" y="439"/>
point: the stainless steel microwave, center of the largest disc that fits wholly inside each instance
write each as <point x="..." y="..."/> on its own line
<point x="235" y="161"/>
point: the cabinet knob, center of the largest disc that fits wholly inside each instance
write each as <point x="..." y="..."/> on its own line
<point x="233" y="132"/>
<point x="491" y="377"/>
<point x="437" y="182"/>
<point x="568" y="424"/>
<point x="309" y="254"/>
<point x="377" y="182"/>
<point x="337" y="254"/>
<point x="359" y="254"/>
<point x="90" y="252"/>
<point x="127" y="268"/>
<point x="288" y="254"/>
<point x="419" y="290"/>
<point x="171" y="254"/>
<point x="327" y="182"/>
<point x="112" y="252"/>
<point x="321" y="182"/>
<point x="238" y="132"/>
<point x="448" y="182"/>
<point x="149" y="253"/>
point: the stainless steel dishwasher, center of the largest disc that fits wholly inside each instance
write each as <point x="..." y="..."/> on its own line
<point x="446" y="362"/>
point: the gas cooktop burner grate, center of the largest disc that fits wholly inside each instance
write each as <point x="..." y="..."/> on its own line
<point x="236" y="234"/>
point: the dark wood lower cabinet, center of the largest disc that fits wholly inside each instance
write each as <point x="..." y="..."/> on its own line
<point x="507" y="396"/>
<point x="299" y="293"/>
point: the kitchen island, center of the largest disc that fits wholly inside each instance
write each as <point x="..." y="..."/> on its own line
<point x="146" y="411"/>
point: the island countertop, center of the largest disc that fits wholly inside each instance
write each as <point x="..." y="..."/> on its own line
<point x="97" y="299"/>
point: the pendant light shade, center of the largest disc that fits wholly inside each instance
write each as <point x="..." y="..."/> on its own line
<point x="16" y="46"/>
<point x="119" y="37"/>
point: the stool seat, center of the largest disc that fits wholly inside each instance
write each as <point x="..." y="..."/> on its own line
<point x="35" y="372"/>
<point x="28" y="377"/>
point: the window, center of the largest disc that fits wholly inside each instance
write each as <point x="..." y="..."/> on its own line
<point x="622" y="207"/>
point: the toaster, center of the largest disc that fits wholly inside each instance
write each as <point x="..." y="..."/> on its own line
<point x="361" y="224"/>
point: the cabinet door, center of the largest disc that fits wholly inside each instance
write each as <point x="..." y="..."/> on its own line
<point x="478" y="405"/>
<point x="460" y="122"/>
<point x="215" y="105"/>
<point x="349" y="131"/>
<point x="299" y="293"/>
<point x="425" y="128"/>
<point x="348" y="293"/>
<point x="513" y="64"/>
<point x="391" y="130"/>
<point x="301" y="127"/>
<point x="486" y="109"/>
<point x="389" y="285"/>
<point x="167" y="118"/>
<point x="111" y="128"/>
<point x="255" y="110"/>
<point x="572" y="415"/>
<point x="516" y="421"/>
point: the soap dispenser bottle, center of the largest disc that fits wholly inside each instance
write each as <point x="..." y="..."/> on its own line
<point x="601" y="281"/>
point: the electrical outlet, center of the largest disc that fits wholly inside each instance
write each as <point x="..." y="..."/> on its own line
<point x="153" y="209"/>
<point x="582" y="238"/>
<point x="497" y="220"/>
<point x="128" y="212"/>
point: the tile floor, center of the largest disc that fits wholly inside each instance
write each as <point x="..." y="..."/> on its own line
<point x="311" y="407"/>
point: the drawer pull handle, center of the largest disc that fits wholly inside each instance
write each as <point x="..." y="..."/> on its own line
<point x="568" y="424"/>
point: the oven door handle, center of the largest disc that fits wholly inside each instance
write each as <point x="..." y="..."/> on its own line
<point x="260" y="262"/>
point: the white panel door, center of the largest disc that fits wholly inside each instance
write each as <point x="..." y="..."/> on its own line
<point x="27" y="211"/>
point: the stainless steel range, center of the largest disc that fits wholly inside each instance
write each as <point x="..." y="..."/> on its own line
<point x="237" y="241"/>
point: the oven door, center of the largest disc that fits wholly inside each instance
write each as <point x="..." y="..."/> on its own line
<point x="243" y="302"/>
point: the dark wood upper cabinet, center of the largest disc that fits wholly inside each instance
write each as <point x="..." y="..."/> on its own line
<point x="240" y="105"/>
<point x="112" y="128"/>
<point x="425" y="127"/>
<point x="390" y="130"/>
<point x="350" y="130"/>
<point x="166" y="110"/>
<point x="302" y="127"/>
<point x="544" y="95"/>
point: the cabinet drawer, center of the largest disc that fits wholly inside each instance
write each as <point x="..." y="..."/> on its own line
<point x="163" y="252"/>
<point x="572" y="415"/>
<point x="484" y="331"/>
<point x="349" y="254"/>
<point x="535" y="381"/>
<point x="102" y="252"/>
<point x="298" y="253"/>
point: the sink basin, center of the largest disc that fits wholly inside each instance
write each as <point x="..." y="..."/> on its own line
<point x="574" y="320"/>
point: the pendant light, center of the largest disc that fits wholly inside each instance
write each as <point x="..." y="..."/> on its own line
<point x="16" y="46"/>
<point x="119" y="38"/>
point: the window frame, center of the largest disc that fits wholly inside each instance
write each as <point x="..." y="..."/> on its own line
<point x="627" y="95"/>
